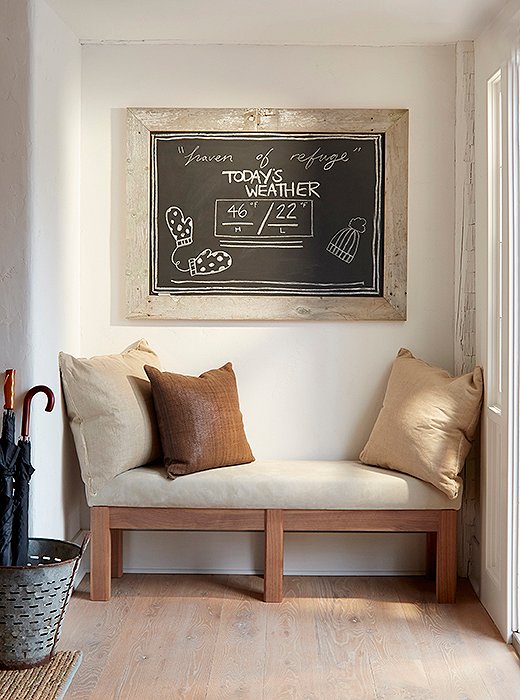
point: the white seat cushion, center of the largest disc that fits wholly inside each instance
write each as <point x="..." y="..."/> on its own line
<point x="318" y="485"/>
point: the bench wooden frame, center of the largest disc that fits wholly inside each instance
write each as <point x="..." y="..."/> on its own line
<point x="108" y="522"/>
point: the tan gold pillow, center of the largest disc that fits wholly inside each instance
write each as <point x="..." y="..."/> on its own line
<point x="111" y="414"/>
<point x="199" y="419"/>
<point x="427" y="422"/>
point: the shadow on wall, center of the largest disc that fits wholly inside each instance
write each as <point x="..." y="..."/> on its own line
<point x="75" y="507"/>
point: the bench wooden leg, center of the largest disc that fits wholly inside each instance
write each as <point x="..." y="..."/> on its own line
<point x="100" y="548"/>
<point x="431" y="554"/>
<point x="446" y="580"/>
<point x="273" y="571"/>
<point x="116" y="542"/>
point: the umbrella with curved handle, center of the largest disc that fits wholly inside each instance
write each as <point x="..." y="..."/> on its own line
<point x="23" y="473"/>
<point x="9" y="452"/>
<point x="26" y="415"/>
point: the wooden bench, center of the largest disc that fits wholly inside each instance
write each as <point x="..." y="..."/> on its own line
<point x="230" y="499"/>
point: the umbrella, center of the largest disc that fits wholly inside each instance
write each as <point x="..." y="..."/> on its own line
<point x="23" y="472"/>
<point x="8" y="456"/>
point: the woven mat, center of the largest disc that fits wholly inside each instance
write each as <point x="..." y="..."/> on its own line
<point x="49" y="682"/>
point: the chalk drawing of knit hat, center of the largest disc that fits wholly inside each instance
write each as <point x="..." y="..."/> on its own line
<point x="344" y="244"/>
<point x="181" y="227"/>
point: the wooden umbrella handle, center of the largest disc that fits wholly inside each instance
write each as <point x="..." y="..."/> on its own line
<point x="9" y="388"/>
<point x="26" y="415"/>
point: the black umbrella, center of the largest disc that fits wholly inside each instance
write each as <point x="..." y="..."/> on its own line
<point x="20" y="529"/>
<point x="22" y="476"/>
<point x="8" y="455"/>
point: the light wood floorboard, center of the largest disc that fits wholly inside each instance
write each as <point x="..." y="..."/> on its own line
<point x="332" y="638"/>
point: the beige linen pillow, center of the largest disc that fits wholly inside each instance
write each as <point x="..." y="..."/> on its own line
<point x="427" y="422"/>
<point x="111" y="414"/>
<point x="199" y="418"/>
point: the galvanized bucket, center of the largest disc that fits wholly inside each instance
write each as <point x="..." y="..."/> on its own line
<point x="33" y="600"/>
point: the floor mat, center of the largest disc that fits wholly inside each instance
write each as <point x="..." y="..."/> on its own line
<point x="49" y="682"/>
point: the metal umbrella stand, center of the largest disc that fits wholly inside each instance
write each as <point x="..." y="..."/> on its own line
<point x="33" y="601"/>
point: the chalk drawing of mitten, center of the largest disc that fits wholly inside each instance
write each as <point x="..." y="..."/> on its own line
<point x="181" y="227"/>
<point x="344" y="244"/>
<point x="209" y="263"/>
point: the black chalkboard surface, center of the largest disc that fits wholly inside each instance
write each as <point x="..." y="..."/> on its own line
<point x="267" y="214"/>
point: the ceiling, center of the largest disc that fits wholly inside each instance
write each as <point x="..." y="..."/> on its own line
<point x="332" y="22"/>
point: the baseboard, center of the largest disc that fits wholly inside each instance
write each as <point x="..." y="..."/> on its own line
<point x="516" y="643"/>
<point x="256" y="572"/>
<point x="253" y="566"/>
<point x="474" y="571"/>
<point x="84" y="565"/>
<point x="84" y="568"/>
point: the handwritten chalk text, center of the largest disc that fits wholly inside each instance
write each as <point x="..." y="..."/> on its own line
<point x="270" y="183"/>
<point x="254" y="176"/>
<point x="328" y="159"/>
<point x="284" y="189"/>
<point x="196" y="157"/>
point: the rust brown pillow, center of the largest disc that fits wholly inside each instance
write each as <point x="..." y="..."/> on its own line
<point x="199" y="418"/>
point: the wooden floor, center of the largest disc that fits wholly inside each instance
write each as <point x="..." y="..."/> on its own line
<point x="168" y="637"/>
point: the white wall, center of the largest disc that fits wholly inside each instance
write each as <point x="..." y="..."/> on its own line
<point x="308" y="390"/>
<point x="40" y="83"/>
<point x="15" y="351"/>
<point x="55" y="64"/>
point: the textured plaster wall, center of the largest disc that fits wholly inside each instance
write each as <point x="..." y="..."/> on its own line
<point x="15" y="147"/>
<point x="39" y="237"/>
<point x="54" y="266"/>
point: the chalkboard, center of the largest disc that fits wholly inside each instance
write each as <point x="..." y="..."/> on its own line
<point x="263" y="214"/>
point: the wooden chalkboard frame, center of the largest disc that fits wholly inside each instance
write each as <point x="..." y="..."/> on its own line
<point x="389" y="307"/>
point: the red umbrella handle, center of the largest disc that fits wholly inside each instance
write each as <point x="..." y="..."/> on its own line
<point x="26" y="415"/>
<point x="9" y="388"/>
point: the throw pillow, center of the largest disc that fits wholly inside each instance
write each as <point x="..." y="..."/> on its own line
<point x="110" y="409"/>
<point x="199" y="419"/>
<point x="427" y="422"/>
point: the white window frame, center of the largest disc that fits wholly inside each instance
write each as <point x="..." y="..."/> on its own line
<point x="500" y="455"/>
<point x="514" y="228"/>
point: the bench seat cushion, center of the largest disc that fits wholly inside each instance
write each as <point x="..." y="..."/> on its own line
<point x="314" y="485"/>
